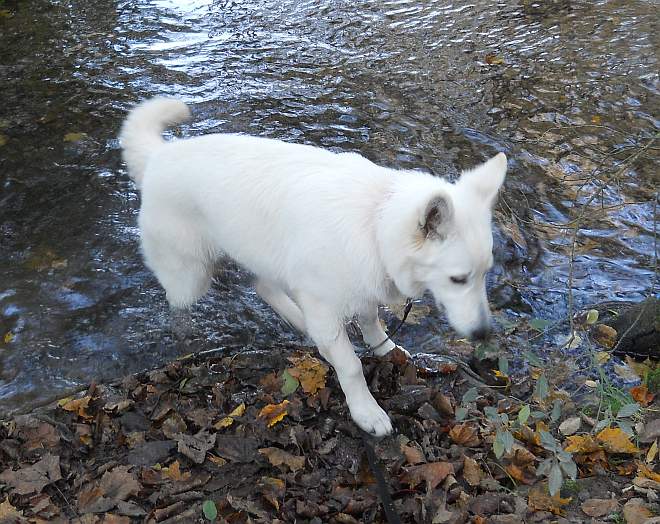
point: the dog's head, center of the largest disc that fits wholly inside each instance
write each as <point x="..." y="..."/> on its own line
<point x="454" y="244"/>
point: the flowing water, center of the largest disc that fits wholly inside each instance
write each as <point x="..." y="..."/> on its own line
<point x="568" y="89"/>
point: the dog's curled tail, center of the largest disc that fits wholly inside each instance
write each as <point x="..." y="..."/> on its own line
<point x="142" y="131"/>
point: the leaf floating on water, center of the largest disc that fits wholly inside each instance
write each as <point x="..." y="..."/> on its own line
<point x="592" y="316"/>
<point x="274" y="413"/>
<point x="538" y="324"/>
<point x="9" y="336"/>
<point x="74" y="137"/>
<point x="493" y="59"/>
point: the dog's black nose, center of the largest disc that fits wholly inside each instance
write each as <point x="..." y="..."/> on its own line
<point x="481" y="334"/>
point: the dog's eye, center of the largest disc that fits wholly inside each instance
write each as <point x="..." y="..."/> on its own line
<point x="459" y="280"/>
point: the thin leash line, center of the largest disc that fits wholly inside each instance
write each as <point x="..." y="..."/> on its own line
<point x="381" y="484"/>
<point x="406" y="311"/>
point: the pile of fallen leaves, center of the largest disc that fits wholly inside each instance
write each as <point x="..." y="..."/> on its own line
<point x="266" y="437"/>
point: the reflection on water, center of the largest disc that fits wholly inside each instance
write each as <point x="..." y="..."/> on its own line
<point x="568" y="90"/>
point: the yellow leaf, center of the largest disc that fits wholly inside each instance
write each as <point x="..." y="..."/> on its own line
<point x="3" y="140"/>
<point x="218" y="461"/>
<point x="653" y="452"/>
<point x="229" y="419"/>
<point x="273" y="413"/>
<point x="596" y="119"/>
<point x="581" y="444"/>
<point x="646" y="472"/>
<point x="540" y="500"/>
<point x="9" y="336"/>
<point x="74" y="137"/>
<point x="493" y="59"/>
<point x="309" y="371"/>
<point x="602" y="357"/>
<point x="615" y="440"/>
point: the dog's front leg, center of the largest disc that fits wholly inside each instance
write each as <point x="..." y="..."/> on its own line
<point x="329" y="334"/>
<point x="374" y="335"/>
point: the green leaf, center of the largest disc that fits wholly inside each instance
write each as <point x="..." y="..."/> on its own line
<point x="507" y="440"/>
<point x="548" y="441"/>
<point x="538" y="324"/>
<point x="498" y="447"/>
<point x="542" y="388"/>
<point x="290" y="383"/>
<point x="602" y="424"/>
<point x="592" y="316"/>
<point x="556" y="410"/>
<point x="625" y="427"/>
<point x="555" y="479"/>
<point x="570" y="468"/>
<point x="533" y="359"/>
<point x="544" y="467"/>
<point x="470" y="396"/>
<point x="628" y="410"/>
<point x="460" y="414"/>
<point x="503" y="365"/>
<point x="523" y="414"/>
<point x="491" y="414"/>
<point x="209" y="509"/>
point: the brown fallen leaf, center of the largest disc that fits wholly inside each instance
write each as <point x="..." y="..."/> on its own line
<point x="599" y="507"/>
<point x="641" y="395"/>
<point x="9" y="514"/>
<point x="413" y="455"/>
<point x="472" y="472"/>
<point x="523" y="474"/>
<point x="278" y="457"/>
<point x="604" y="335"/>
<point x="309" y="371"/>
<point x="78" y="406"/>
<point x="465" y="435"/>
<point x="635" y="511"/>
<point x="433" y="474"/>
<point x="615" y="440"/>
<point x="540" y="500"/>
<point x="195" y="446"/>
<point x="173" y="472"/>
<point x="493" y="59"/>
<point x="272" y="489"/>
<point x="274" y="413"/>
<point x="32" y="479"/>
<point x="119" y="483"/>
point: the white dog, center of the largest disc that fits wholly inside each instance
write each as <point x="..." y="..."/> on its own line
<point x="327" y="235"/>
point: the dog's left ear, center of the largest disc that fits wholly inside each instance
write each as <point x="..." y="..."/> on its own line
<point x="437" y="217"/>
<point x="486" y="179"/>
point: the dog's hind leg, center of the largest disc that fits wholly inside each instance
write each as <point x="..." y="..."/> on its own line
<point x="282" y="303"/>
<point x="183" y="270"/>
<point x="374" y="335"/>
<point x="329" y="334"/>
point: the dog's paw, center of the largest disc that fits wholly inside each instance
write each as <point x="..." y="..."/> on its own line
<point x="371" y="418"/>
<point x="382" y="351"/>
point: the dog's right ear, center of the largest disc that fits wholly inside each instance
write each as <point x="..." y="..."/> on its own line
<point x="437" y="217"/>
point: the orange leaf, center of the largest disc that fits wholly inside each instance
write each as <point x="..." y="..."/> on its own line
<point x="273" y="413"/>
<point x="540" y="500"/>
<point x="641" y="394"/>
<point x="465" y="435"/>
<point x="615" y="440"/>
<point x="413" y="455"/>
<point x="78" y="406"/>
<point x="644" y="471"/>
<point x="277" y="457"/>
<point x="582" y="444"/>
<point x="310" y="372"/>
<point x="521" y="474"/>
<point x="433" y="474"/>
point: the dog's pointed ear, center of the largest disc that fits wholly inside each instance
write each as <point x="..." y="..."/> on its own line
<point x="437" y="217"/>
<point x="486" y="179"/>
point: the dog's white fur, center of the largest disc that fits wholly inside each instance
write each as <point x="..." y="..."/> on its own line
<point x="327" y="235"/>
